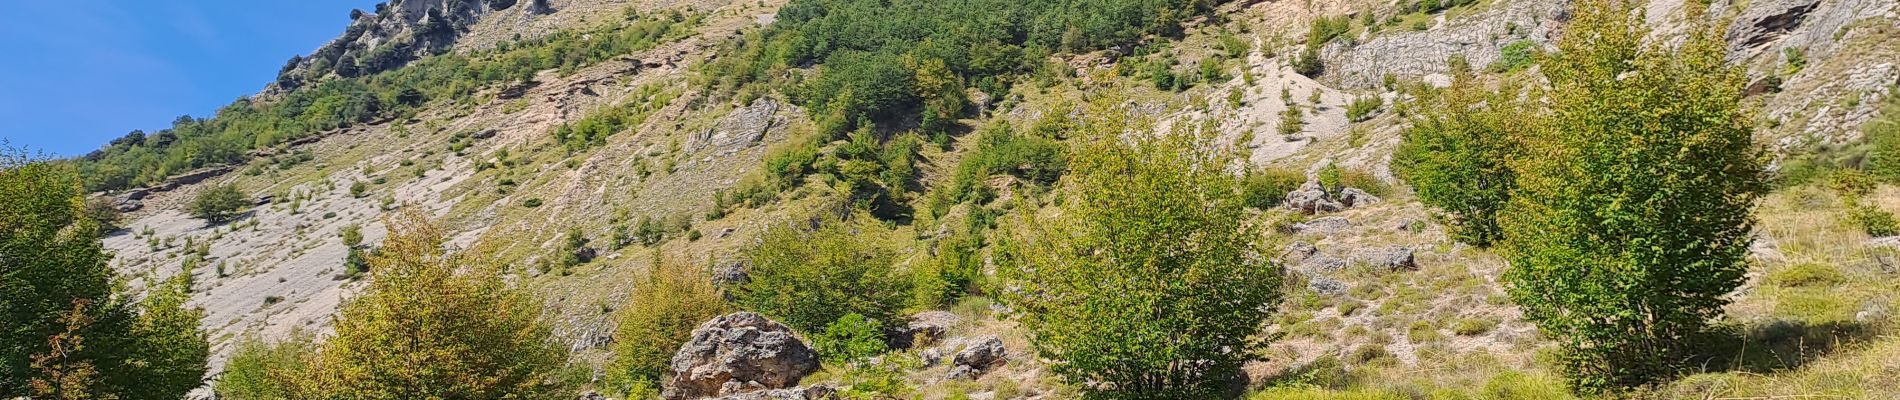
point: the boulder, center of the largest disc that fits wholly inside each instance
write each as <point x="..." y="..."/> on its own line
<point x="1325" y="264"/>
<point x="1353" y="197"/>
<point x="1312" y="201"/>
<point x="738" y="353"/>
<point x="930" y="326"/>
<point x="1300" y="251"/>
<point x="978" y="356"/>
<point x="730" y="275"/>
<point x="585" y="254"/>
<point x="1391" y="258"/>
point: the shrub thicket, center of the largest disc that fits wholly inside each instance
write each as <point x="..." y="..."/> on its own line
<point x="810" y="279"/>
<point x="1154" y="244"/>
<point x="668" y="303"/>
<point x="1457" y="152"/>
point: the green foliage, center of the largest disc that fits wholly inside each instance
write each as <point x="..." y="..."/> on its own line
<point x="1807" y="275"/>
<point x="667" y="304"/>
<point x="809" y="279"/>
<point x="1883" y="137"/>
<point x="1033" y="156"/>
<point x="1266" y="189"/>
<point x="1293" y="120"/>
<point x="1873" y="220"/>
<point x="352" y="235"/>
<point x="594" y="129"/>
<point x="1152" y="244"/>
<point x="65" y="323"/>
<point x="1515" y="56"/>
<point x="1456" y="155"/>
<point x="484" y="339"/>
<point x="1631" y="224"/>
<point x="219" y="204"/>
<point x="850" y="339"/>
<point x="1362" y="108"/>
<point x="269" y="371"/>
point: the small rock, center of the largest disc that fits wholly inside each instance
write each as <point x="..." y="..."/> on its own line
<point x="1323" y="226"/>
<point x="930" y="326"/>
<point x="1325" y="264"/>
<point x="1312" y="201"/>
<point x="1299" y="251"/>
<point x="592" y="395"/>
<point x="1326" y="286"/>
<point x="1353" y="197"/>
<point x="730" y="275"/>
<point x="1391" y="258"/>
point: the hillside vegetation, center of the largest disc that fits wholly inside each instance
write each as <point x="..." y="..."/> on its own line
<point x="1101" y="199"/>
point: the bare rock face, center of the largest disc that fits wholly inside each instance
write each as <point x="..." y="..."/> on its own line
<point x="739" y="353"/>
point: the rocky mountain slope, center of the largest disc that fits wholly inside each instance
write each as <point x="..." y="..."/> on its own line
<point x="1380" y="282"/>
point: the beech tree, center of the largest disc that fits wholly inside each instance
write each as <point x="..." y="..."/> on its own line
<point x="1631" y="217"/>
<point x="1457" y="152"/>
<point x="434" y="324"/>
<point x="668" y="303"/>
<point x="1150" y="283"/>
<point x="66" y="330"/>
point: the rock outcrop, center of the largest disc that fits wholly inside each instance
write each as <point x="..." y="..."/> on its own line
<point x="979" y="356"/>
<point x="738" y="353"/>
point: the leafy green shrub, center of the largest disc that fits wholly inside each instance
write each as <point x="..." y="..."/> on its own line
<point x="1473" y="326"/>
<point x="531" y="203"/>
<point x="1883" y="139"/>
<point x="486" y="339"/>
<point x="668" y="303"/>
<point x="1457" y="156"/>
<point x="218" y="204"/>
<point x="1514" y="56"/>
<point x="1873" y="220"/>
<point x="265" y="371"/>
<point x="1000" y="149"/>
<point x="849" y="339"/>
<point x="1361" y="109"/>
<point x="1636" y="138"/>
<point x="1152" y="244"/>
<point x="1266" y="189"/>
<point x="810" y="279"/>
<point x="357" y="189"/>
<point x="1807" y="275"/>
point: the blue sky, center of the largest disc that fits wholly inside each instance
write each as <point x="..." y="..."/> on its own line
<point x="75" y="74"/>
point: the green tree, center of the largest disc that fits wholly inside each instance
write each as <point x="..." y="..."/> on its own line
<point x="259" y="370"/>
<point x="668" y="303"/>
<point x="809" y="279"/>
<point x="62" y="306"/>
<point x="1150" y="283"/>
<point x="850" y="339"/>
<point x="1457" y="153"/>
<point x="1631" y="218"/>
<point x="218" y="204"/>
<point x="438" y="325"/>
